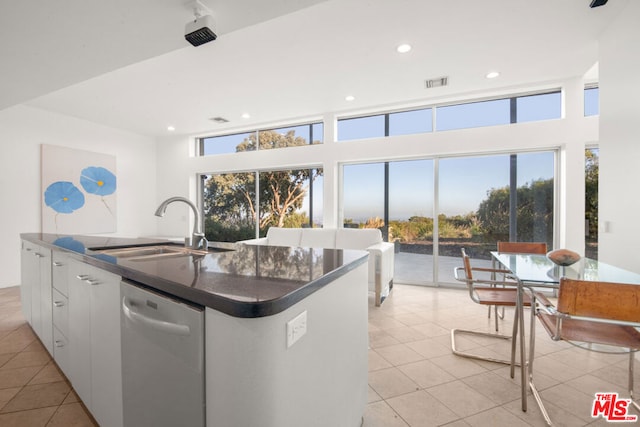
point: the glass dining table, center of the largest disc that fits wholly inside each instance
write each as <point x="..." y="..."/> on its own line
<point x="538" y="271"/>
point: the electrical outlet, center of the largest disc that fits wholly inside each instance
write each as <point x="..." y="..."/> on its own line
<point x="296" y="328"/>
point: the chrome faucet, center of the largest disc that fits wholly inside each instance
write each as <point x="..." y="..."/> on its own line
<point x="197" y="241"/>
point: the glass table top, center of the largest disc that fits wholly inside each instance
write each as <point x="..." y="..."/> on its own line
<point x="539" y="269"/>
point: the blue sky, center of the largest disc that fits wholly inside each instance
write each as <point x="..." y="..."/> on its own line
<point x="463" y="181"/>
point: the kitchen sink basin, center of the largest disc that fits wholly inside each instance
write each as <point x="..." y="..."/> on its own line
<point x="147" y="253"/>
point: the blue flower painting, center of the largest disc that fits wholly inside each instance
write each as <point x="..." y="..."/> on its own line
<point x="83" y="198"/>
<point x="63" y="197"/>
<point x="98" y="180"/>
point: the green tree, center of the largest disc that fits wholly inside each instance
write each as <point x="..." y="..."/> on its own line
<point x="229" y="212"/>
<point x="534" y="212"/>
<point x="230" y="199"/>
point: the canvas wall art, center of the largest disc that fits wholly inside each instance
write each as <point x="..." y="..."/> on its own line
<point x="79" y="191"/>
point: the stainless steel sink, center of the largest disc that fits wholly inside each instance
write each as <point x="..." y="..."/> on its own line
<point x="145" y="253"/>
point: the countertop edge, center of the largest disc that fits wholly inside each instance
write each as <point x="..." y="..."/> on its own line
<point x="234" y="308"/>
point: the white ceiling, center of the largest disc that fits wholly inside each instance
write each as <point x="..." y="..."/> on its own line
<point x="126" y="64"/>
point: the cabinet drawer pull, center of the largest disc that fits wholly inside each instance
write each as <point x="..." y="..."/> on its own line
<point x="59" y="343"/>
<point x="36" y="254"/>
<point x="82" y="277"/>
<point x="57" y="264"/>
<point x="58" y="303"/>
<point x="92" y="281"/>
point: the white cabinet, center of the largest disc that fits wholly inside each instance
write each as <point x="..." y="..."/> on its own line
<point x="94" y="357"/>
<point x="59" y="268"/>
<point x="253" y="378"/>
<point x="36" y="291"/>
<point x="60" y="307"/>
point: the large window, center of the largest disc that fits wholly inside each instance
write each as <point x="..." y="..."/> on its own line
<point x="591" y="101"/>
<point x="473" y="114"/>
<point x="235" y="205"/>
<point x="388" y="124"/>
<point x="482" y="199"/>
<point x="545" y="106"/>
<point x="267" y="139"/>
<point x="224" y="144"/>
<point x="503" y="111"/>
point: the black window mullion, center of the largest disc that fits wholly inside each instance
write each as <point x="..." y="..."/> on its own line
<point x="385" y="227"/>
<point x="513" y="180"/>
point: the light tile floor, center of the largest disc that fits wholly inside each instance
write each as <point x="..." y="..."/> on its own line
<point x="414" y="379"/>
<point x="33" y="391"/>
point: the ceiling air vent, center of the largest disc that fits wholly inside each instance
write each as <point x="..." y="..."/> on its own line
<point x="437" y="82"/>
<point x="219" y="120"/>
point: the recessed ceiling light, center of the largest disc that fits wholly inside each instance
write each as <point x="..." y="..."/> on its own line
<point x="403" y="48"/>
<point x="349" y="98"/>
<point x="492" y="75"/>
<point x="171" y="128"/>
<point x="246" y="115"/>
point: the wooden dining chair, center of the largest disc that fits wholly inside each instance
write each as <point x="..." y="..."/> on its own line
<point x="587" y="313"/>
<point x="522" y="247"/>
<point x="487" y="290"/>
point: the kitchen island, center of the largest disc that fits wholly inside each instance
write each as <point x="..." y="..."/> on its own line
<point x="285" y="341"/>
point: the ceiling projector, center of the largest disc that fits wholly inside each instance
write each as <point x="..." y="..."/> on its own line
<point x="200" y="30"/>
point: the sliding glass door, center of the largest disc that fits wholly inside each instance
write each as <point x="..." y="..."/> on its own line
<point x="432" y="208"/>
<point x="411" y="219"/>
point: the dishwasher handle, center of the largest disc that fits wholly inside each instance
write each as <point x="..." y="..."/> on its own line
<point x="159" y="325"/>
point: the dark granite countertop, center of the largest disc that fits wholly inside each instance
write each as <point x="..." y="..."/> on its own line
<point x="239" y="280"/>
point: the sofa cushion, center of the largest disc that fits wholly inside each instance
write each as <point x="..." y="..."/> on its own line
<point x="318" y="238"/>
<point x="362" y="238"/>
<point x="277" y="236"/>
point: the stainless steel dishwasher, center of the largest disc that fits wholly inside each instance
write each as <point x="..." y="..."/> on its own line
<point x="162" y="360"/>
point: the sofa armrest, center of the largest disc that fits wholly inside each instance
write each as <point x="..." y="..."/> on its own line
<point x="382" y="247"/>
<point x="260" y="241"/>
<point x="382" y="255"/>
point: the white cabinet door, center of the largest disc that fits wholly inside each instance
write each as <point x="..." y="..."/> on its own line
<point x="36" y="291"/>
<point x="95" y="365"/>
<point x="79" y="330"/>
<point x="61" y="350"/>
<point x="29" y="276"/>
<point x="61" y="330"/>
<point x="106" y="361"/>
<point x="46" y="300"/>
<point x="59" y="277"/>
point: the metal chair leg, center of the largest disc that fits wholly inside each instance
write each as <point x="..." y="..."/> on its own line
<point x="514" y="334"/>
<point x="457" y="352"/>
<point x="632" y="359"/>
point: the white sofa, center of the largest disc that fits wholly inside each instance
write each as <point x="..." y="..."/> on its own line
<point x="380" y="253"/>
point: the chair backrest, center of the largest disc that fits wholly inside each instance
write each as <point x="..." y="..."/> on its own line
<point x="522" y="247"/>
<point x="466" y="262"/>
<point x="604" y="300"/>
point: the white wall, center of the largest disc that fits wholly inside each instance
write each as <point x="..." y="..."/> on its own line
<point x="177" y="166"/>
<point x="22" y="131"/>
<point x="619" y="220"/>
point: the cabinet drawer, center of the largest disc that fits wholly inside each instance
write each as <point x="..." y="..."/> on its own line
<point x="59" y="267"/>
<point x="60" y="312"/>
<point x="61" y="350"/>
